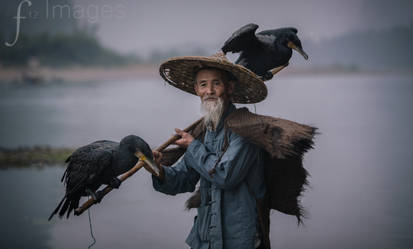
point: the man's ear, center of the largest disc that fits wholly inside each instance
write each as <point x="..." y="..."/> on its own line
<point x="196" y="88"/>
<point x="230" y="87"/>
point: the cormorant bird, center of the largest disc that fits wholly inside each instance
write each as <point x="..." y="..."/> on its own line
<point x="100" y="163"/>
<point x="265" y="50"/>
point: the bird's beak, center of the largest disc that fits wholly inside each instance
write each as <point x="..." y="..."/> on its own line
<point x="149" y="164"/>
<point x="290" y="44"/>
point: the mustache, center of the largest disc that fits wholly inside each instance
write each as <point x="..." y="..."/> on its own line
<point x="209" y="98"/>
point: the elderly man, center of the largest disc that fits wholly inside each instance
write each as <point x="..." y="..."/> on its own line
<point x="229" y="153"/>
<point x="230" y="180"/>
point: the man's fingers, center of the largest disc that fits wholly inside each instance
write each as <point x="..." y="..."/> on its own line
<point x="179" y="141"/>
<point x="157" y="156"/>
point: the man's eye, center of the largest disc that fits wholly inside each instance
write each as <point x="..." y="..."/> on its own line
<point x="202" y="84"/>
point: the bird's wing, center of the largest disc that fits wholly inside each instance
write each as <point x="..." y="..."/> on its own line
<point x="86" y="163"/>
<point x="278" y="32"/>
<point x="103" y="143"/>
<point x="242" y="39"/>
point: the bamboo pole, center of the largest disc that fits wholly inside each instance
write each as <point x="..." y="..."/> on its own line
<point x="132" y="171"/>
<point x="140" y="164"/>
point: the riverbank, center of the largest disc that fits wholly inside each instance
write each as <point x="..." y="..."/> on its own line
<point x="24" y="157"/>
<point x="41" y="74"/>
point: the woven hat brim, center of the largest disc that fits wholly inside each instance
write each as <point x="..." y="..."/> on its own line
<point x="179" y="72"/>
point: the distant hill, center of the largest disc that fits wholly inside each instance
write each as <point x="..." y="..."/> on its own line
<point x="59" y="50"/>
<point x="52" y="38"/>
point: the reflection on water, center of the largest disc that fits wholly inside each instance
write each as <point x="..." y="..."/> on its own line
<point x="26" y="197"/>
<point x="76" y="114"/>
<point x="360" y="169"/>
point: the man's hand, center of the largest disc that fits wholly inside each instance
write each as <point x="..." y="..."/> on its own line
<point x="157" y="157"/>
<point x="185" y="139"/>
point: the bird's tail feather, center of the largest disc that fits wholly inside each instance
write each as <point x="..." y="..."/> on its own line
<point x="64" y="207"/>
<point x="73" y="204"/>
<point x="57" y="208"/>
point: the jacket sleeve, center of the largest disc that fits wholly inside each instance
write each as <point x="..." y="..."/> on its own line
<point x="178" y="179"/>
<point x="233" y="166"/>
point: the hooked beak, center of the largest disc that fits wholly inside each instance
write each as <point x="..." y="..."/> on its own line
<point x="291" y="45"/>
<point x="149" y="163"/>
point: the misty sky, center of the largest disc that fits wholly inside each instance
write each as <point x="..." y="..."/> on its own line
<point x="137" y="25"/>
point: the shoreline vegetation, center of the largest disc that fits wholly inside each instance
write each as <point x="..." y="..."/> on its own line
<point x="75" y="74"/>
<point x="79" y="74"/>
<point x="35" y="156"/>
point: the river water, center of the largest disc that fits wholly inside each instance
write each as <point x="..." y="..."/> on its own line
<point x="360" y="186"/>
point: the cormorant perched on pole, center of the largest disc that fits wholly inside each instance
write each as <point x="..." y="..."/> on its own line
<point x="265" y="50"/>
<point x="100" y="163"/>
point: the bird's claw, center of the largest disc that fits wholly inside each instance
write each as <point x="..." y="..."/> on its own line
<point x="115" y="182"/>
<point x="267" y="76"/>
<point x="97" y="196"/>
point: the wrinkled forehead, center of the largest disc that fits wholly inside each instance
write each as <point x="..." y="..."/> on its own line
<point x="212" y="72"/>
<point x="209" y="74"/>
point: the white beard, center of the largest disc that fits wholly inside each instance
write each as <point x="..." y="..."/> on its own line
<point x="213" y="111"/>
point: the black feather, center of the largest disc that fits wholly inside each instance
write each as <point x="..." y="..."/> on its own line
<point x="57" y="208"/>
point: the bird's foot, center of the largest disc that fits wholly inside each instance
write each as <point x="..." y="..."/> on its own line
<point x="115" y="182"/>
<point x="97" y="196"/>
<point x="267" y="76"/>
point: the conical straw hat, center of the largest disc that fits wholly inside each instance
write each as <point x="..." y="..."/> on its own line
<point x="180" y="72"/>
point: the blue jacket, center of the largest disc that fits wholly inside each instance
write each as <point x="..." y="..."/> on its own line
<point x="227" y="217"/>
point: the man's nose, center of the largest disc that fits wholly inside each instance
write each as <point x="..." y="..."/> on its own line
<point x="210" y="89"/>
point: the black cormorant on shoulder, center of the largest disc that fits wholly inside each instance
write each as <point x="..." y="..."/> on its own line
<point x="99" y="163"/>
<point x="265" y="50"/>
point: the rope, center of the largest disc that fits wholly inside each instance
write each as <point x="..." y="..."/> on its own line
<point x="91" y="230"/>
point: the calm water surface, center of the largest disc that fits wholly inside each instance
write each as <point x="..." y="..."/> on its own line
<point x="360" y="195"/>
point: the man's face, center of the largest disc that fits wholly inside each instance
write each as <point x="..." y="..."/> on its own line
<point x="210" y="86"/>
